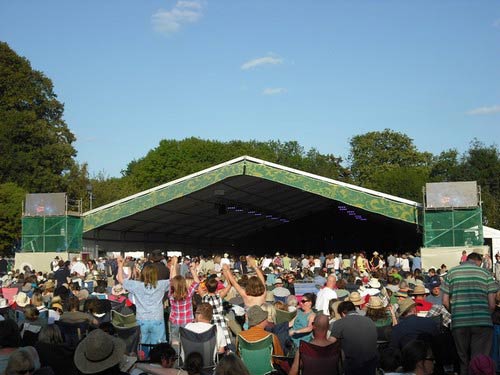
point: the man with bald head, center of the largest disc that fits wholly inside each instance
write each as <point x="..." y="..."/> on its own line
<point x="320" y="330"/>
<point x="326" y="294"/>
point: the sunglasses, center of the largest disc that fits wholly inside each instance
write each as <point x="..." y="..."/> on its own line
<point x="305" y="300"/>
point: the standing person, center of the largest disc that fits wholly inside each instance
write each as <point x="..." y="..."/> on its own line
<point x="156" y="260"/>
<point x="497" y="267"/>
<point x="214" y="299"/>
<point x="469" y="294"/>
<point x="181" y="307"/>
<point x="148" y="294"/>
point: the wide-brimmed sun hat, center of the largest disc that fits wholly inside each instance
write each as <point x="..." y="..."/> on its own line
<point x="374" y="283"/>
<point x="405" y="305"/>
<point x="256" y="315"/>
<point x="98" y="352"/>
<point x="21" y="299"/>
<point x="420" y="290"/>
<point x="355" y="298"/>
<point x="375" y="303"/>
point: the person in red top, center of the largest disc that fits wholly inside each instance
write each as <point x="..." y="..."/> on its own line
<point x="419" y="294"/>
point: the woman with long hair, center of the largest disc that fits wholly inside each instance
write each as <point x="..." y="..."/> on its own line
<point x="181" y="307"/>
<point x="148" y="295"/>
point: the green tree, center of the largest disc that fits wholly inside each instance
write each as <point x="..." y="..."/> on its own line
<point x="11" y="198"/>
<point x="404" y="182"/>
<point x="375" y="152"/>
<point x="482" y="164"/>
<point x="173" y="159"/>
<point x="35" y="142"/>
<point x="445" y="166"/>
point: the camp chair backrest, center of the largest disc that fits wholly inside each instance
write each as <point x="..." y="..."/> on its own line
<point x="9" y="294"/>
<point x="315" y="359"/>
<point x="204" y="343"/>
<point x="284" y="316"/>
<point x="123" y="321"/>
<point x="257" y="355"/>
<point x="72" y="333"/>
<point x="131" y="336"/>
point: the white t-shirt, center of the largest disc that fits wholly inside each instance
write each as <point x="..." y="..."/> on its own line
<point x="323" y="300"/>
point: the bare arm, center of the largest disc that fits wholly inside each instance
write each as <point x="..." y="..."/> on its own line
<point x="253" y="263"/>
<point x="294" y="370"/>
<point x="491" y="301"/>
<point x="119" y="274"/>
<point x="192" y="267"/>
<point x="306" y="329"/>
<point x="173" y="267"/>
<point x="223" y="293"/>
<point x="229" y="276"/>
<point x="446" y="301"/>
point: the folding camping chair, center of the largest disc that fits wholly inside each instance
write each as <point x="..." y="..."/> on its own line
<point x="257" y="355"/>
<point x="315" y="359"/>
<point x="204" y="343"/>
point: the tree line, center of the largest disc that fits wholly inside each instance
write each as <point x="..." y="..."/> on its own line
<point x="37" y="155"/>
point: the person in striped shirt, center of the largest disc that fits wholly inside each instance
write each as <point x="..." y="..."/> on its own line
<point x="469" y="294"/>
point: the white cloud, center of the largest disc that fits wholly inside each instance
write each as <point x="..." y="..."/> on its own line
<point x="268" y="60"/>
<point x="274" y="91"/>
<point x="170" y="21"/>
<point x="484" y="110"/>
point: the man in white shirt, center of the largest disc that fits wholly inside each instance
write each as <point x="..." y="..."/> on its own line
<point x="326" y="294"/>
<point x="203" y="317"/>
<point x="79" y="268"/>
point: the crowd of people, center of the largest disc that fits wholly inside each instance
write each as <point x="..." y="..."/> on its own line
<point x="322" y="314"/>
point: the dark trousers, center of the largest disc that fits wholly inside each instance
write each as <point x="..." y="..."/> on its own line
<point x="471" y="341"/>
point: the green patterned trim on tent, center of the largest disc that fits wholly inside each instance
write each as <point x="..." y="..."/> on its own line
<point x="160" y="196"/>
<point x="169" y="192"/>
<point x="365" y="201"/>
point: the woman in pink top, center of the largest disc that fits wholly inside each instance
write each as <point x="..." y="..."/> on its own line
<point x="181" y="308"/>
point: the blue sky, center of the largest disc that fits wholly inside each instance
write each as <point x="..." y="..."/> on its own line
<point x="319" y="72"/>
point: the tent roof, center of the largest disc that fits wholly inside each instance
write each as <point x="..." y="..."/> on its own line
<point x="225" y="201"/>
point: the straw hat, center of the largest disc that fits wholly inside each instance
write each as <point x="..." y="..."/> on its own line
<point x="375" y="303"/>
<point x="355" y="298"/>
<point x="420" y="290"/>
<point x="49" y="284"/>
<point x="405" y="305"/>
<point x="98" y="352"/>
<point x="21" y="299"/>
